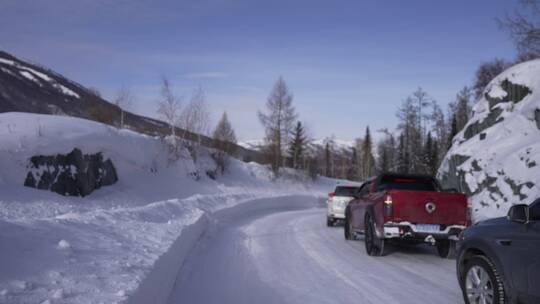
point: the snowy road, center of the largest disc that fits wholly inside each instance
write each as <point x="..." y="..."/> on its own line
<point x="278" y="255"/>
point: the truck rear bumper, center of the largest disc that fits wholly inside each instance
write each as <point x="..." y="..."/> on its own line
<point x="407" y="230"/>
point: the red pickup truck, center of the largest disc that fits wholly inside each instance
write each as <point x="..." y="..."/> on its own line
<point x="406" y="208"/>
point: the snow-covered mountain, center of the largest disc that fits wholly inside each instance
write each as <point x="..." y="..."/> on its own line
<point x="103" y="247"/>
<point x="496" y="158"/>
<point x="29" y="87"/>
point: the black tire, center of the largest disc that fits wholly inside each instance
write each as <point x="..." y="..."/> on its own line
<point x="329" y="222"/>
<point x="446" y="249"/>
<point x="374" y="245"/>
<point x="347" y="229"/>
<point x="474" y="270"/>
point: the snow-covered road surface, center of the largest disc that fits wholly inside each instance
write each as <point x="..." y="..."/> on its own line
<point x="282" y="255"/>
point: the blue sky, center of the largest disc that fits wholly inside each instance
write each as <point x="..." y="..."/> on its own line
<point x="349" y="63"/>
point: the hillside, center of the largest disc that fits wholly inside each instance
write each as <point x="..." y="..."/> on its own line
<point x="28" y="87"/>
<point x="495" y="159"/>
<point x="63" y="249"/>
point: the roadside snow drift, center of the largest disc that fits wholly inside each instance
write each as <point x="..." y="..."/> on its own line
<point x="496" y="158"/>
<point x="103" y="247"/>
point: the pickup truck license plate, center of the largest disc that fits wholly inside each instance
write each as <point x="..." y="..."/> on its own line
<point x="427" y="228"/>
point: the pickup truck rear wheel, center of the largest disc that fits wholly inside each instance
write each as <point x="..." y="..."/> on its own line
<point x="347" y="229"/>
<point x="446" y="249"/>
<point x="374" y="245"/>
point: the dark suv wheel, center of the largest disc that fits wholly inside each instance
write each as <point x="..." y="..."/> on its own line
<point x="481" y="282"/>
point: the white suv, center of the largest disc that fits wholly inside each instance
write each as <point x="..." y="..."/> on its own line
<point x="337" y="202"/>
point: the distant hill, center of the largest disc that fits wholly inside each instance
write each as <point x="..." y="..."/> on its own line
<point x="28" y="87"/>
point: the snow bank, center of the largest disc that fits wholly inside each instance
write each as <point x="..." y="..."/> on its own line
<point x="102" y="248"/>
<point x="495" y="158"/>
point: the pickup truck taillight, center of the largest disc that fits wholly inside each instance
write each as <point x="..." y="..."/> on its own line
<point x="388" y="205"/>
<point x="469" y="211"/>
<point x="331" y="194"/>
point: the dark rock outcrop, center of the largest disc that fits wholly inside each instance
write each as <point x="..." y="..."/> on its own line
<point x="74" y="174"/>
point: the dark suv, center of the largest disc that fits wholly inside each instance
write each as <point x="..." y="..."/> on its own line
<point x="499" y="259"/>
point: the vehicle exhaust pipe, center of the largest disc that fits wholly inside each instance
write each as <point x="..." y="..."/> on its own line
<point x="430" y="239"/>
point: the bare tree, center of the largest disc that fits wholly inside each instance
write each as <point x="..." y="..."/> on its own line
<point x="224" y="140"/>
<point x="278" y="122"/>
<point x="524" y="28"/>
<point x="195" y="117"/>
<point x="124" y="101"/>
<point x="486" y="72"/>
<point x="463" y="107"/>
<point x="169" y="105"/>
<point x="386" y="152"/>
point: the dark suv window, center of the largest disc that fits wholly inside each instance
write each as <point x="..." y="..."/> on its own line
<point x="345" y="191"/>
<point x="408" y="183"/>
<point x="534" y="211"/>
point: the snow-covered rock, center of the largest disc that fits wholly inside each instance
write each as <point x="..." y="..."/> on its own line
<point x="495" y="159"/>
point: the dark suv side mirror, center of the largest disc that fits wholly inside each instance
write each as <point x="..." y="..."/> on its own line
<point x="519" y="213"/>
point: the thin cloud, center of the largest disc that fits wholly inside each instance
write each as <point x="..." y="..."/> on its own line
<point x="206" y="75"/>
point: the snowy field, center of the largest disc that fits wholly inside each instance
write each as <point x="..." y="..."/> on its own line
<point x="123" y="242"/>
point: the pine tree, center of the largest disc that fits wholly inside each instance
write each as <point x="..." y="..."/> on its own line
<point x="386" y="152"/>
<point x="368" y="161"/>
<point x="327" y="160"/>
<point x="403" y="161"/>
<point x="353" y="164"/>
<point x="463" y="108"/>
<point x="434" y="165"/>
<point x="224" y="140"/>
<point x="384" y="160"/>
<point x="428" y="154"/>
<point x="297" y="146"/>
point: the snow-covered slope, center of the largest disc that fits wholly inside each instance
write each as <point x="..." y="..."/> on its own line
<point x="496" y="157"/>
<point x="98" y="249"/>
